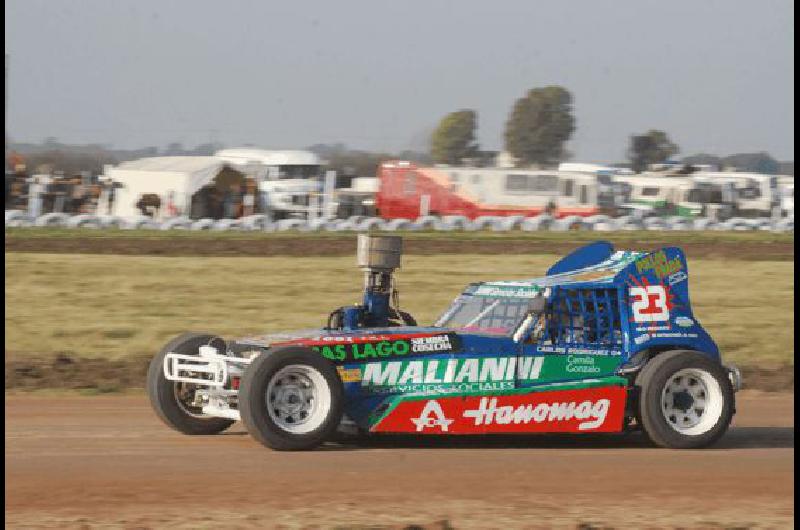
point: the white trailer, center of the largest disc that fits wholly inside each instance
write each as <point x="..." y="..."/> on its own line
<point x="756" y="194"/>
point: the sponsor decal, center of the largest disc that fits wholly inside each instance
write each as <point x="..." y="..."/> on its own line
<point x="675" y="334"/>
<point x="599" y="409"/>
<point x="588" y="351"/>
<point x="588" y="364"/>
<point x="552" y="349"/>
<point x="480" y="374"/>
<point x="641" y="339"/>
<point x="509" y="289"/>
<point x="591" y="276"/>
<point x="677" y="277"/>
<point x="659" y="264"/>
<point x="653" y="328"/>
<point x="684" y="322"/>
<point x="432" y="416"/>
<point x="366" y="348"/>
<point x="489" y="412"/>
<point x="451" y="375"/>
<point x="349" y="375"/>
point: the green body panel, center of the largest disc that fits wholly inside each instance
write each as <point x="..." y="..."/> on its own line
<point x="464" y="375"/>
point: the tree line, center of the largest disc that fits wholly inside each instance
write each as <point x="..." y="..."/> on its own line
<point x="538" y="127"/>
<point x="540" y="124"/>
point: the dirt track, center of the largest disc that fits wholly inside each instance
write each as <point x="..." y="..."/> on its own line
<point x="88" y="461"/>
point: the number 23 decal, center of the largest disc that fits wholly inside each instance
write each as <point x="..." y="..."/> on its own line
<point x="649" y="303"/>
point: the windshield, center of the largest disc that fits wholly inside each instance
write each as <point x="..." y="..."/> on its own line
<point x="489" y="315"/>
<point x="298" y="172"/>
<point x="706" y="194"/>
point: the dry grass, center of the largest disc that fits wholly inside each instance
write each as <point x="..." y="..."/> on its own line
<point x="122" y="306"/>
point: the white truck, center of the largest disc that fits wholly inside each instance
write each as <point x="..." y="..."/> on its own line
<point x="288" y="181"/>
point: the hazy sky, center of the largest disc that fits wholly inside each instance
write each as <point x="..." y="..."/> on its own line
<point x="718" y="76"/>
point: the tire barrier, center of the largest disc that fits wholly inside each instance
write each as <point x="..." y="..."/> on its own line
<point x="485" y="222"/>
<point x="112" y="221"/>
<point x="360" y="223"/>
<point x="455" y="222"/>
<point x="177" y="223"/>
<point x="654" y="223"/>
<point x="678" y="223"/>
<point x="18" y="218"/>
<point x="227" y="225"/>
<point x="737" y="224"/>
<point x="84" y="221"/>
<point x="428" y="222"/>
<point x="397" y="224"/>
<point x="537" y="223"/>
<point x="315" y="225"/>
<point x="202" y="224"/>
<point x="570" y="222"/>
<point x="257" y="222"/>
<point x="508" y="224"/>
<point x="290" y="224"/>
<point x="140" y="223"/>
<point x="784" y="225"/>
<point x="53" y="219"/>
<point x="370" y="223"/>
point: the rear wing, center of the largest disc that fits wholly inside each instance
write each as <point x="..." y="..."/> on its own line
<point x="655" y="290"/>
<point x="653" y="294"/>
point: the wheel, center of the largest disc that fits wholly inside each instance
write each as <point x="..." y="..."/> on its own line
<point x="685" y="400"/>
<point x="291" y="399"/>
<point x="172" y="400"/>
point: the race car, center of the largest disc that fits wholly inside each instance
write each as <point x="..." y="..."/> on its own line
<point x="605" y="342"/>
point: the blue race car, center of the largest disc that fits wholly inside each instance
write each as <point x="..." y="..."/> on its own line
<point x="605" y="342"/>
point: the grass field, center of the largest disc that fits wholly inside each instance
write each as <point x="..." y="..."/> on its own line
<point x="129" y="306"/>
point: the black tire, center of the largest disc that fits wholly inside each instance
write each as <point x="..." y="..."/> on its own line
<point x="253" y="399"/>
<point x="163" y="395"/>
<point x="407" y="319"/>
<point x="651" y="383"/>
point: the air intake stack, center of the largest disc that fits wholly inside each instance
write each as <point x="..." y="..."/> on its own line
<point x="378" y="257"/>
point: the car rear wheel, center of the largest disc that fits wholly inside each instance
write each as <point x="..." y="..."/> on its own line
<point x="686" y="400"/>
<point x="291" y="399"/>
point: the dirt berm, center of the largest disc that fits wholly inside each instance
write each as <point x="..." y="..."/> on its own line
<point x="343" y="245"/>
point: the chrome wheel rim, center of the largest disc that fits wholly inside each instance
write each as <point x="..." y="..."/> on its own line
<point x="184" y="397"/>
<point x="298" y="398"/>
<point x="691" y="401"/>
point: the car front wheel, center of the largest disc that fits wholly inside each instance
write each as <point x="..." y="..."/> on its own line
<point x="291" y="399"/>
<point x="172" y="401"/>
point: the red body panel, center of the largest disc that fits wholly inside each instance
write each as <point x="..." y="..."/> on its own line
<point x="599" y="409"/>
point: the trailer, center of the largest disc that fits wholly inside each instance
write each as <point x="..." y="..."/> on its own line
<point x="409" y="191"/>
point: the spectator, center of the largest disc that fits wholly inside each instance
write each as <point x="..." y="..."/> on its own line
<point x="172" y="210"/>
<point x="249" y="199"/>
<point x="149" y="204"/>
<point x="231" y="201"/>
<point x="35" y="191"/>
<point x="112" y="187"/>
<point x="61" y="190"/>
